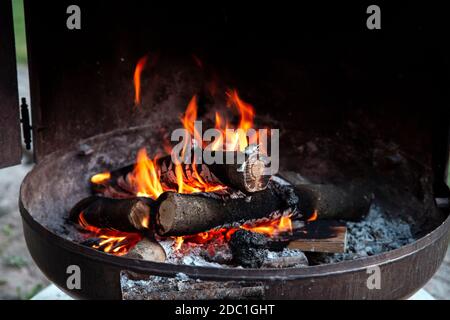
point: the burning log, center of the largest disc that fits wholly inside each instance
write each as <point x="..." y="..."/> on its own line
<point x="249" y="176"/>
<point x="126" y="215"/>
<point x="147" y="250"/>
<point x="349" y="202"/>
<point x="185" y="214"/>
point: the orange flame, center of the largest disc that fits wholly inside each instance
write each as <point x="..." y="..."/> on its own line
<point x="137" y="79"/>
<point x="101" y="178"/>
<point x="111" y="241"/>
<point x="236" y="140"/>
<point x="145" y="177"/>
<point x="246" y="110"/>
<point x="272" y="228"/>
<point x="313" y="216"/>
<point x="190" y="116"/>
<point x="178" y="243"/>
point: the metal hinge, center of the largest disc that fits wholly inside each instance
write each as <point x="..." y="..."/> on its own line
<point x="26" y="126"/>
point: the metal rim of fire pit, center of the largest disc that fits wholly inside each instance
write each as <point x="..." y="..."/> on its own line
<point x="425" y="254"/>
<point x="167" y="269"/>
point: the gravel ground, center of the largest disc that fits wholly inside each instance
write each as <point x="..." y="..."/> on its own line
<point x="20" y="278"/>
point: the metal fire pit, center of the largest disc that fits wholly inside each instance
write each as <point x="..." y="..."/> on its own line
<point x="65" y="173"/>
<point x="326" y="83"/>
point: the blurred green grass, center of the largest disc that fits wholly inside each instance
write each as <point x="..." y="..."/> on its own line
<point x="19" y="30"/>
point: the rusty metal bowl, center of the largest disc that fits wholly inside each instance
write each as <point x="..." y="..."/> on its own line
<point x="53" y="186"/>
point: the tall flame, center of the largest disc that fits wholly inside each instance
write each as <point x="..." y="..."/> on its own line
<point x="145" y="177"/>
<point x="237" y="140"/>
<point x="246" y="110"/>
<point x="137" y="79"/>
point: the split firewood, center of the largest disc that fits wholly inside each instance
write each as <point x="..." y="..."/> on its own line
<point x="244" y="171"/>
<point x="349" y="202"/>
<point x="319" y="236"/>
<point x="184" y="214"/>
<point x="248" y="176"/>
<point x="148" y="250"/>
<point x="126" y="215"/>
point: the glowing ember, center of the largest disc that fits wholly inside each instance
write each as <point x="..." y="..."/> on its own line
<point x="137" y="79"/>
<point x="101" y="178"/>
<point x="111" y="241"/>
<point x="271" y="229"/>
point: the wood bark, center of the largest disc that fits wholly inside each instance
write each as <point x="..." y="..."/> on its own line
<point x="184" y="214"/>
<point x="347" y="202"/>
<point x="128" y="215"/>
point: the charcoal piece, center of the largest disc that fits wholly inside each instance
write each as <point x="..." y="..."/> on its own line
<point x="248" y="248"/>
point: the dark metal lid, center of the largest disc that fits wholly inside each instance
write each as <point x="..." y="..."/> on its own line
<point x="81" y="80"/>
<point x="11" y="152"/>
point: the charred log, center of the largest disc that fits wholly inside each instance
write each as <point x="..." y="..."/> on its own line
<point x="126" y="215"/>
<point x="184" y="214"/>
<point x="349" y="202"/>
<point x="247" y="176"/>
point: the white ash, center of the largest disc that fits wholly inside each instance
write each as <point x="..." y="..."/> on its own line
<point x="285" y="253"/>
<point x="376" y="233"/>
<point x="193" y="256"/>
<point x="200" y="256"/>
<point x="129" y="282"/>
<point x="138" y="288"/>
